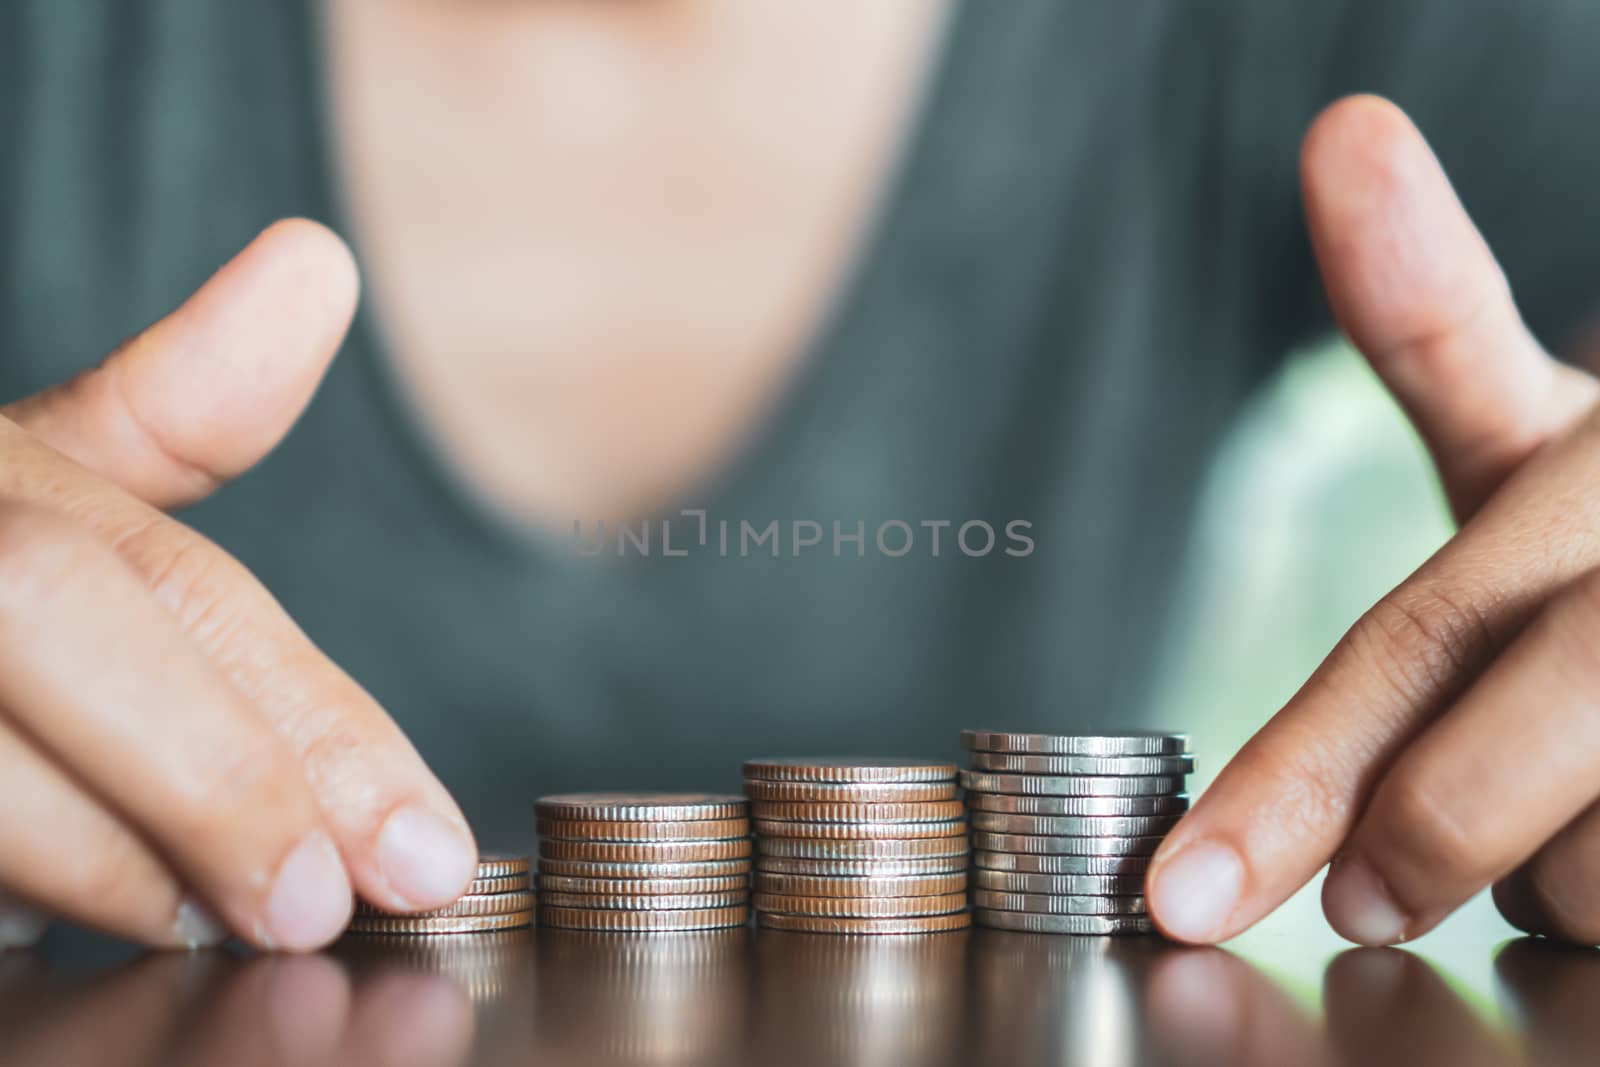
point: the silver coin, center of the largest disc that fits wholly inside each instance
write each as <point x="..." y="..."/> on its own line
<point x="1062" y="865"/>
<point x="1073" y="786"/>
<point x="1065" y="846"/>
<point x="1113" y="766"/>
<point x="1015" y="805"/>
<point x="810" y="848"/>
<point x="1102" y="885"/>
<point x="1129" y="743"/>
<point x="882" y="868"/>
<point x="1048" y="904"/>
<point x="1090" y="925"/>
<point x="1075" y="825"/>
<point x="604" y="869"/>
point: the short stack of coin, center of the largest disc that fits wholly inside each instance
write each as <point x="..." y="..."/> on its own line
<point x="498" y="898"/>
<point x="858" y="845"/>
<point x="644" y="861"/>
<point x="1063" y="827"/>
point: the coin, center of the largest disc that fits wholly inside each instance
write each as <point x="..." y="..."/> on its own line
<point x="850" y="769"/>
<point x="1065" y="846"/>
<point x="1031" y="923"/>
<point x="483" y="904"/>
<point x="1048" y="904"/>
<point x="641" y="807"/>
<point x="820" y="924"/>
<point x="922" y="885"/>
<point x="855" y="831"/>
<point x="437" y="924"/>
<point x="1034" y="864"/>
<point x="621" y="921"/>
<point x="1015" y="805"/>
<point x="1123" y="743"/>
<point x="1066" y="786"/>
<point x="860" y="907"/>
<point x="836" y="849"/>
<point x="697" y="830"/>
<point x="1024" y="763"/>
<point x="815" y="811"/>
<point x="679" y="869"/>
<point x="850" y="792"/>
<point x="652" y="902"/>
<point x="630" y="887"/>
<point x="880" y="868"/>
<point x="501" y="864"/>
<point x="1105" y="885"/>
<point x="506" y="884"/>
<point x="645" y="851"/>
<point x="1075" y="825"/>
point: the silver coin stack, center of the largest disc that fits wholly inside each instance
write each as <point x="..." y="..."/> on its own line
<point x="1063" y="827"/>
<point x="858" y="846"/>
<point x="639" y="862"/>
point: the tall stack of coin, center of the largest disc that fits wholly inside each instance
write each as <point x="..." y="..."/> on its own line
<point x="499" y="898"/>
<point x="1063" y="827"/>
<point x="644" y="861"/>
<point x="858" y="846"/>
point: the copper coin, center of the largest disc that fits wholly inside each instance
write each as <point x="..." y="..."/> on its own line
<point x="820" y="924"/>
<point x="481" y="904"/>
<point x="1122" y="743"/>
<point x="818" y="811"/>
<point x="1116" y="766"/>
<point x="695" y="919"/>
<point x="1075" y="825"/>
<point x="697" y="830"/>
<point x="651" y="902"/>
<point x="860" y="907"/>
<point x="1100" y="885"/>
<point x="1073" y="785"/>
<point x="507" y="884"/>
<point x="850" y="792"/>
<point x="1034" y="864"/>
<point x="437" y="924"/>
<point x="1085" y="806"/>
<point x="501" y="864"/>
<point x="811" y="848"/>
<point x="641" y="807"/>
<point x="630" y="871"/>
<point x="1066" y="846"/>
<point x="880" y="868"/>
<point x="857" y="831"/>
<point x="645" y="851"/>
<point x="643" y="887"/>
<point x="915" y="885"/>
<point x="1048" y="904"/>
<point x="849" y="769"/>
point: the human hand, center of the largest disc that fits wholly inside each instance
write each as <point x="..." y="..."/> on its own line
<point x="1451" y="740"/>
<point x="176" y="757"/>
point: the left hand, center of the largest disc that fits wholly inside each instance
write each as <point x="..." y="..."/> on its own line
<point x="1451" y="741"/>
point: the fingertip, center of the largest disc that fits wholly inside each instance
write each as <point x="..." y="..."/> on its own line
<point x="1194" y="890"/>
<point x="322" y="261"/>
<point x="1357" y="129"/>
<point x="426" y="859"/>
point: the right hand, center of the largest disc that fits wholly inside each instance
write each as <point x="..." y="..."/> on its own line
<point x="177" y="760"/>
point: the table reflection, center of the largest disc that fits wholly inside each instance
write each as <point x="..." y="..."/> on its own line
<point x="743" y="996"/>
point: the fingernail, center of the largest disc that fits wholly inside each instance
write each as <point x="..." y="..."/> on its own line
<point x="1359" y="906"/>
<point x="1196" y="891"/>
<point x="195" y="926"/>
<point x="310" y="901"/>
<point x="426" y="859"/>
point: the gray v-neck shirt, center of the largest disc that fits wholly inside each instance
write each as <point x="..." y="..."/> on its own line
<point x="1090" y="255"/>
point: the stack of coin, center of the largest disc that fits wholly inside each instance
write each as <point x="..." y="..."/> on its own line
<point x="858" y="846"/>
<point x="644" y="861"/>
<point x="1063" y="827"/>
<point x="499" y="898"/>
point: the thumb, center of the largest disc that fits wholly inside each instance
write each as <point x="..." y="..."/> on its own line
<point x="206" y="392"/>
<point x="1416" y="288"/>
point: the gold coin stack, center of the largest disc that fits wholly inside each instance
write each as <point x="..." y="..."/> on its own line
<point x="500" y="897"/>
<point x="858" y="846"/>
<point x="644" y="861"/>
